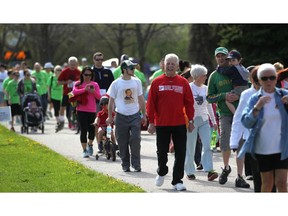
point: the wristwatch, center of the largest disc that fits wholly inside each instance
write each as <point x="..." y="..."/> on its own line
<point x="191" y="121"/>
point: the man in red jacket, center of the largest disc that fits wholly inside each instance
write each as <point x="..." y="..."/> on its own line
<point x="168" y="96"/>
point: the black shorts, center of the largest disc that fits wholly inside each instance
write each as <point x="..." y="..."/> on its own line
<point x="15" y="109"/>
<point x="271" y="162"/>
<point x="65" y="101"/>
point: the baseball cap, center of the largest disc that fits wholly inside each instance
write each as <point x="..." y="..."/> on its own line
<point x="124" y="57"/>
<point x="48" y="65"/>
<point x="222" y="50"/>
<point x="127" y="63"/>
<point x="234" y="54"/>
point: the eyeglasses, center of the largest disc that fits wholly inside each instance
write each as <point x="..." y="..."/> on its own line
<point x="270" y="78"/>
<point x="90" y="75"/>
<point x="28" y="74"/>
<point x="131" y="67"/>
<point x="99" y="59"/>
<point x="17" y="75"/>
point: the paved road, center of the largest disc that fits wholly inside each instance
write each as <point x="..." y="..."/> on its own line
<point x="67" y="143"/>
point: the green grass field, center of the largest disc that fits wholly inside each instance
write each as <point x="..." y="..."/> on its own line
<point x="27" y="166"/>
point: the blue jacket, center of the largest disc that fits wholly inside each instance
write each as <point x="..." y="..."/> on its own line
<point x="255" y="123"/>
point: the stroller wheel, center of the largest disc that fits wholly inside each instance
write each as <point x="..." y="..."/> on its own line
<point x="27" y="129"/>
<point x="22" y="130"/>
<point x="42" y="127"/>
<point x="108" y="156"/>
<point x="97" y="156"/>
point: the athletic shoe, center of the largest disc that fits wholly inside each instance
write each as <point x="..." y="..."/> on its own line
<point x="212" y="175"/>
<point x="137" y="169"/>
<point x="191" y="177"/>
<point x="249" y="177"/>
<point x="241" y="183"/>
<point x="199" y="167"/>
<point x="159" y="180"/>
<point x="90" y="150"/>
<point x="85" y="154"/>
<point x="179" y="187"/>
<point x="223" y="177"/>
<point x="126" y="169"/>
<point x="59" y="126"/>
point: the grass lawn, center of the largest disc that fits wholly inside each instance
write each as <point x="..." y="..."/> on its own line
<point x="27" y="166"/>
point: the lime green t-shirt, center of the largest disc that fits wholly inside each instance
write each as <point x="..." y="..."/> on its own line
<point x="28" y="86"/>
<point x="41" y="80"/>
<point x="56" y="89"/>
<point x="117" y="73"/>
<point x="12" y="92"/>
<point x="156" y="74"/>
<point x="5" y="83"/>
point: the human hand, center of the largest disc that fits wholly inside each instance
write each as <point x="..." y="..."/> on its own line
<point x="262" y="101"/>
<point x="284" y="99"/>
<point x="215" y="127"/>
<point x="231" y="97"/>
<point x="151" y="128"/>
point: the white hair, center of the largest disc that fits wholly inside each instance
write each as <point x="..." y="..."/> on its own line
<point x="171" y="56"/>
<point x="72" y="58"/>
<point x="265" y="67"/>
<point x="198" y="70"/>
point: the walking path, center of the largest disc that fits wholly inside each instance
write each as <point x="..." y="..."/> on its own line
<point x="67" y="143"/>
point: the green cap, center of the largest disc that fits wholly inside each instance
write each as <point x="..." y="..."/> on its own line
<point x="222" y="50"/>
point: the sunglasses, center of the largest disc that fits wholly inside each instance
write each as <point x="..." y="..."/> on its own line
<point x="270" y="78"/>
<point x="131" y="67"/>
<point x="99" y="59"/>
<point x="90" y="75"/>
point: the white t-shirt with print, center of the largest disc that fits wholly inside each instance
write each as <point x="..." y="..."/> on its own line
<point x="201" y="106"/>
<point x="125" y="94"/>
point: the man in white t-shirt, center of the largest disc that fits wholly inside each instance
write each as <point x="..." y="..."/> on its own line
<point x="127" y="95"/>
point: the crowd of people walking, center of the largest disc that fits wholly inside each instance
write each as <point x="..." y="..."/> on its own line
<point x="182" y="105"/>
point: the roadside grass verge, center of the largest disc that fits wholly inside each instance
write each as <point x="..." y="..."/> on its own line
<point x="28" y="166"/>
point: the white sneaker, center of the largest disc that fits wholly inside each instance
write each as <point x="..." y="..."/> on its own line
<point x="179" y="187"/>
<point x="159" y="180"/>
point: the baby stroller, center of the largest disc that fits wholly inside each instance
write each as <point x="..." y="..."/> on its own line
<point x="109" y="148"/>
<point x="32" y="113"/>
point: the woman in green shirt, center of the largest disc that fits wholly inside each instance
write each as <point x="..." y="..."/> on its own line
<point x="13" y="97"/>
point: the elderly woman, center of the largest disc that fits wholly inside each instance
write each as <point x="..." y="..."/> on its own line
<point x="266" y="116"/>
<point x="203" y="109"/>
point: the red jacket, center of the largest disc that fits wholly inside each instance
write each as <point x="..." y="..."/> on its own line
<point x="166" y="99"/>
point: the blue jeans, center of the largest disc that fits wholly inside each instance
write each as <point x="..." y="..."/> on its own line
<point x="203" y="128"/>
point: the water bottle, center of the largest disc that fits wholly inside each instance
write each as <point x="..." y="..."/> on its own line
<point x="214" y="139"/>
<point x="109" y="131"/>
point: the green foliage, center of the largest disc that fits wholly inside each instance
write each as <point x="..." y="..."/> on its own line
<point x="27" y="166"/>
<point x="258" y="43"/>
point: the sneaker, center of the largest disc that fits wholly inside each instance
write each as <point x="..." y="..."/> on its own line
<point x="179" y="187"/>
<point x="199" y="167"/>
<point x="191" y="177"/>
<point x="224" y="175"/>
<point x="249" y="177"/>
<point x="212" y="175"/>
<point x="85" y="154"/>
<point x="137" y="170"/>
<point x="90" y="150"/>
<point x="126" y="169"/>
<point x="59" y="126"/>
<point x="241" y="183"/>
<point x="159" y="180"/>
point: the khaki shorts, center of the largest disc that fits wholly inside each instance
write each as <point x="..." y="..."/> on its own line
<point x="225" y="123"/>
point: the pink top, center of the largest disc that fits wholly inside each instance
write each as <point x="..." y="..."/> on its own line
<point x="91" y="104"/>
